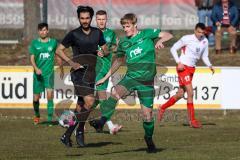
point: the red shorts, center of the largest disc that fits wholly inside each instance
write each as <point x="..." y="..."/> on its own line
<point x="185" y="77"/>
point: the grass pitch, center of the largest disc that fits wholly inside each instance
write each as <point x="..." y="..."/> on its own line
<point x="218" y="140"/>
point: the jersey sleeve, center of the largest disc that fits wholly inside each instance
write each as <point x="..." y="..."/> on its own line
<point x="120" y="49"/>
<point x="114" y="38"/>
<point x="55" y="45"/>
<point x="32" y="50"/>
<point x="68" y="40"/>
<point x="101" y="41"/>
<point x="151" y="33"/>
<point x="176" y="46"/>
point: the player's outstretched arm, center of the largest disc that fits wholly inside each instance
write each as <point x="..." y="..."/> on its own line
<point x="164" y="36"/>
<point x="116" y="64"/>
<point x="59" y="62"/>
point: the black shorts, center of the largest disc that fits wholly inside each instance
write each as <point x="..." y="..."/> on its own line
<point x="83" y="85"/>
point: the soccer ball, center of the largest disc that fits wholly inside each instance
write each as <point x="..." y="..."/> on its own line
<point x="67" y="119"/>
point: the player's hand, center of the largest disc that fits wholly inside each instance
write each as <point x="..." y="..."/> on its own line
<point x="159" y="45"/>
<point x="180" y="67"/>
<point x="218" y="23"/>
<point x="61" y="74"/>
<point x="100" y="82"/>
<point x="212" y="69"/>
<point x="38" y="71"/>
<point x="75" y="65"/>
<point x="100" y="53"/>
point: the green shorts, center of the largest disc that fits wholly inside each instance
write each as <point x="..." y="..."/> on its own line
<point x="42" y="82"/>
<point x="145" y="90"/>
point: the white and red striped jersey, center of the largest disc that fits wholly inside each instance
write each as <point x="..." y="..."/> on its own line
<point x="192" y="49"/>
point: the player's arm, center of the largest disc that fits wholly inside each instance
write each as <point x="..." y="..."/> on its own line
<point x="206" y="60"/>
<point x="61" y="53"/>
<point x="60" y="64"/>
<point x="115" y="66"/>
<point x="164" y="37"/>
<point x="36" y="69"/>
<point x="178" y="45"/>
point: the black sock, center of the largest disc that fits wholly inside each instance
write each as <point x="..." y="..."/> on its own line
<point x="102" y="121"/>
<point x="82" y="118"/>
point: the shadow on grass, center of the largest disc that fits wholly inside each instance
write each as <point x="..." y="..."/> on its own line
<point x="101" y="144"/>
<point x="134" y="150"/>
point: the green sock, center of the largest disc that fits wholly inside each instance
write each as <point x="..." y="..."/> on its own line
<point x="149" y="128"/>
<point x="50" y="109"/>
<point x="107" y="107"/>
<point x="95" y="104"/>
<point x="36" y="108"/>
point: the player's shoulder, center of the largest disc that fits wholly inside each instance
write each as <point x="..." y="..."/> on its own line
<point x="110" y="30"/>
<point x="188" y="37"/>
<point x="52" y="40"/>
<point x="34" y="42"/>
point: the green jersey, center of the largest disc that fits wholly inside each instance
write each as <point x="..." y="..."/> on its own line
<point x="44" y="53"/>
<point x="140" y="54"/>
<point x="111" y="39"/>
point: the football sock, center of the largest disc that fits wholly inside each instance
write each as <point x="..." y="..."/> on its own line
<point x="110" y="124"/>
<point x="107" y="107"/>
<point x="50" y="109"/>
<point x="36" y="108"/>
<point x="149" y="128"/>
<point x="95" y="104"/>
<point x="169" y="103"/>
<point x="190" y="111"/>
<point x="84" y="113"/>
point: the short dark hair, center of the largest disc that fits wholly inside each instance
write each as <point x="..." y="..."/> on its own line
<point x="42" y="25"/>
<point x="88" y="9"/>
<point x="101" y="12"/>
<point x="200" y="25"/>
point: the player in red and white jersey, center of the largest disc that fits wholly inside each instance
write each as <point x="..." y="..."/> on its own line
<point x="193" y="47"/>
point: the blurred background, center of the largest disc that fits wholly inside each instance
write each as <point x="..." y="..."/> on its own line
<point x="19" y="19"/>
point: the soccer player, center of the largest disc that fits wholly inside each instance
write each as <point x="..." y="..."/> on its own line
<point x="194" y="47"/>
<point x="104" y="64"/>
<point x="42" y="53"/>
<point x="84" y="42"/>
<point x="139" y="50"/>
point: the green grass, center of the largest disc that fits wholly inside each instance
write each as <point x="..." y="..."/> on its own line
<point x="219" y="139"/>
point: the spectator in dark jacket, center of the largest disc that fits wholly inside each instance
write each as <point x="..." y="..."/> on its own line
<point x="225" y="19"/>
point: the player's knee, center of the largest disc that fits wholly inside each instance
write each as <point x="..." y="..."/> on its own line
<point x="180" y="94"/>
<point x="147" y="115"/>
<point x="115" y="94"/>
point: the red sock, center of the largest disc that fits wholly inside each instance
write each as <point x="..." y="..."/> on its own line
<point x="190" y="111"/>
<point x="169" y="103"/>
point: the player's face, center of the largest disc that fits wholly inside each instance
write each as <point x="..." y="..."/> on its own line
<point x="43" y="32"/>
<point x="129" y="29"/>
<point x="85" y="19"/>
<point x="101" y="21"/>
<point x="199" y="33"/>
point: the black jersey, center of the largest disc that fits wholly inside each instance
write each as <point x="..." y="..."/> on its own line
<point x="84" y="47"/>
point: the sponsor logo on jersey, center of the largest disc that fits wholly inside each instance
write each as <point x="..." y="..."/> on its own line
<point x="136" y="52"/>
<point x="44" y="55"/>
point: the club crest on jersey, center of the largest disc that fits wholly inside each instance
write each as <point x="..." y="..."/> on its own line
<point x="108" y="39"/>
<point x="50" y="48"/>
<point x="136" y="52"/>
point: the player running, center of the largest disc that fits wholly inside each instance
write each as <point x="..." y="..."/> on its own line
<point x="138" y="49"/>
<point x="194" y="47"/>
<point x="42" y="52"/>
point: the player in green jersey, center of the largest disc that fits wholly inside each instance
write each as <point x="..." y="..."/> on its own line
<point x="104" y="63"/>
<point x="139" y="50"/>
<point x="42" y="53"/>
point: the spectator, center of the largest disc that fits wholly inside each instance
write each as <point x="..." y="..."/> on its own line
<point x="225" y="19"/>
<point x="204" y="15"/>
